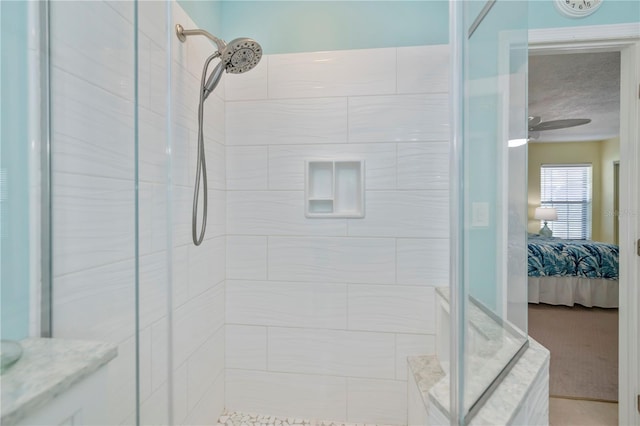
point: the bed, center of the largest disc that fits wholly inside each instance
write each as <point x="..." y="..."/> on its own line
<point x="566" y="272"/>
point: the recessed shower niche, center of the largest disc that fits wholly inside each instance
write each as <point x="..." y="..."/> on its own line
<point x="334" y="188"/>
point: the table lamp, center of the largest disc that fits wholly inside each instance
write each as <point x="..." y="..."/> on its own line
<point x="546" y="214"/>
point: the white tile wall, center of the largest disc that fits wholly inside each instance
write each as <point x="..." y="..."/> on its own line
<point x="322" y="313"/>
<point x="287" y="304"/>
<point x="246" y="258"/>
<point x="293" y="395"/>
<point x="246" y="347"/>
<point x="331" y="352"/>
<point x="351" y="260"/>
<point x="319" y="313"/>
<point x="287" y="121"/>
<point x="399" y="118"/>
<point x="334" y="73"/>
<point x="381" y="401"/>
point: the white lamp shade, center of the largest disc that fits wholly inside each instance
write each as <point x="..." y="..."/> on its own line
<point x="546" y="213"/>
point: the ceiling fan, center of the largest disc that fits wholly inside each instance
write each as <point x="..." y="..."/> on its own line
<point x="536" y="125"/>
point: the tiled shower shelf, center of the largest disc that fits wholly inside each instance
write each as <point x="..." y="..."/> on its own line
<point x="334" y="188"/>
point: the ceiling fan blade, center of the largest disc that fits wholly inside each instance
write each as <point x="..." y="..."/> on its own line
<point x="560" y="124"/>
<point x="534" y="120"/>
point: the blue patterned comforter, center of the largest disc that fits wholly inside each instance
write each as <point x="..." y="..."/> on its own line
<point x="578" y="258"/>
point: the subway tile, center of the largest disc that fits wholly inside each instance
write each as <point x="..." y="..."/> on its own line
<point x="248" y="86"/>
<point x="293" y="121"/>
<point x="216" y="214"/>
<point x="182" y="207"/>
<point x="423" y="165"/>
<point x="423" y="69"/>
<point x="183" y="160"/>
<point x="215" y="156"/>
<point x="214" y="122"/>
<point x="411" y="345"/>
<point x="153" y="288"/>
<point x="282" y="394"/>
<point x="423" y="261"/>
<point x="152" y="142"/>
<point x="287" y="304"/>
<point x="160" y="351"/>
<point x="398" y="118"/>
<point x="332" y="352"/>
<point x="403" y="214"/>
<point x="211" y="405"/>
<point x="206" y="265"/>
<point x="332" y="73"/>
<point x="247" y="168"/>
<point x="103" y="310"/>
<point x="286" y="163"/>
<point x="152" y="21"/>
<point x="197" y="320"/>
<point x="144" y="355"/>
<point x="246" y="257"/>
<point x="103" y="54"/>
<point x="343" y="260"/>
<point x="180" y="409"/>
<point x="399" y="309"/>
<point x="92" y="129"/>
<point x="276" y="213"/>
<point x="154" y="409"/>
<point x="121" y="391"/>
<point x="180" y="276"/>
<point x="204" y="365"/>
<point x="246" y="347"/>
<point x="152" y="74"/>
<point x="377" y="401"/>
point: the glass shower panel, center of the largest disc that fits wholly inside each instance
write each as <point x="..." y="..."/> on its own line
<point x="94" y="186"/>
<point x="154" y="232"/>
<point x="492" y="160"/>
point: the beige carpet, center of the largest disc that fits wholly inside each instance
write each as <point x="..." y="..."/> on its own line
<point x="584" y="349"/>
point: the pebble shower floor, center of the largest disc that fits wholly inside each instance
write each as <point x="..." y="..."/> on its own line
<point x="242" y="419"/>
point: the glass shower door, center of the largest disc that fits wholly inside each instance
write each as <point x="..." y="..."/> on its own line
<point x="490" y="196"/>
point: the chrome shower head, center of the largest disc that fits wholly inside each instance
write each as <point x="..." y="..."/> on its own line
<point x="241" y="55"/>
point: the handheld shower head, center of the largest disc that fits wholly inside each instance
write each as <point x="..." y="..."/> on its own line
<point x="213" y="80"/>
<point x="241" y="55"/>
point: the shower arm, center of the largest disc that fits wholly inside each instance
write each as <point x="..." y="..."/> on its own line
<point x="183" y="34"/>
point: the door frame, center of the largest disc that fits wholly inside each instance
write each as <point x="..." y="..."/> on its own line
<point x="624" y="38"/>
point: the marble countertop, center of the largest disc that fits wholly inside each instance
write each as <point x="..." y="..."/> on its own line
<point x="47" y="368"/>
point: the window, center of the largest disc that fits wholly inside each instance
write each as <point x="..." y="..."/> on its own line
<point x="567" y="187"/>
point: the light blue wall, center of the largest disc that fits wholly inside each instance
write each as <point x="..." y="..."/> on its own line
<point x="14" y="150"/>
<point x="543" y="14"/>
<point x="305" y="26"/>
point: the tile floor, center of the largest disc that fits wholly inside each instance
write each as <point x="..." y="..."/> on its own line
<point x="568" y="412"/>
<point x="243" y="419"/>
<point x="562" y="412"/>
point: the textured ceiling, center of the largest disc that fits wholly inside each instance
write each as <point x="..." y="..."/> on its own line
<point x="577" y="85"/>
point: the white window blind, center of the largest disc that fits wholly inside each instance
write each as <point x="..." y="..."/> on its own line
<point x="567" y="187"/>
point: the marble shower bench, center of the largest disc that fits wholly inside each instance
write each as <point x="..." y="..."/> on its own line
<point x="520" y="397"/>
<point x="57" y="381"/>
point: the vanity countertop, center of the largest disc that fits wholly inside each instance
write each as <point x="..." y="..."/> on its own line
<point x="47" y="368"/>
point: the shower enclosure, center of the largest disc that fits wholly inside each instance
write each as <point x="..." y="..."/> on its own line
<point x="274" y="312"/>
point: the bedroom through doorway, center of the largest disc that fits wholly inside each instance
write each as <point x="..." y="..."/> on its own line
<point x="573" y="273"/>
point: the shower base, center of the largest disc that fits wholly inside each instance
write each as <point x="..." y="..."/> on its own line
<point x="243" y="419"/>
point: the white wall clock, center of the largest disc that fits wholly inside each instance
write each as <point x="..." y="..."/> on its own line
<point x="577" y="8"/>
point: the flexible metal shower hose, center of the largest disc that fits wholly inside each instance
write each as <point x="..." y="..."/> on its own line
<point x="201" y="168"/>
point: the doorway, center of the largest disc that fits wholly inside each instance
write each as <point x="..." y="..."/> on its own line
<point x="624" y="39"/>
